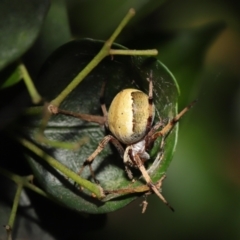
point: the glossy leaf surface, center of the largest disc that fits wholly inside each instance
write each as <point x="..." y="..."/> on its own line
<point x="119" y="72"/>
<point x="20" y="22"/>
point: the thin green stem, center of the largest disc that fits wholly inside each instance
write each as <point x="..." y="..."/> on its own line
<point x="64" y="145"/>
<point x="93" y="188"/>
<point x="33" y="110"/>
<point x="121" y="26"/>
<point x="151" y="52"/>
<point x="74" y="83"/>
<point x="15" y="206"/>
<point x="35" y="96"/>
<point x="95" y="61"/>
<point x="24" y="180"/>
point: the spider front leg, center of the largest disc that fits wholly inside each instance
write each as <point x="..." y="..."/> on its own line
<point x="171" y="124"/>
<point x="50" y="109"/>
<point x="100" y="147"/>
<point x="151" y="109"/>
<point x="101" y="120"/>
<point x="86" y="117"/>
<point x="158" y="185"/>
<point x="148" y="180"/>
<point x="135" y="156"/>
<point x="39" y="135"/>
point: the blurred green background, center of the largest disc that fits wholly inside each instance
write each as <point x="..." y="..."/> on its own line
<point x="199" y="41"/>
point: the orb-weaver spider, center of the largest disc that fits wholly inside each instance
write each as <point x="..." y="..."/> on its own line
<point x="129" y="119"/>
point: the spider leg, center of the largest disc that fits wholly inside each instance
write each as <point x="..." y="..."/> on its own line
<point x="144" y="205"/>
<point x="102" y="101"/>
<point x="150" y="103"/>
<point x="149" y="180"/>
<point x="86" y="117"/>
<point x="148" y="137"/>
<point x="158" y="185"/>
<point x="129" y="173"/>
<point x="100" y="147"/>
<point x="102" y="120"/>
<point x="40" y="137"/>
<point x="171" y="124"/>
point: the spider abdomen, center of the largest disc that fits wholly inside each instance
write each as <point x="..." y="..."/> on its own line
<point x="128" y="115"/>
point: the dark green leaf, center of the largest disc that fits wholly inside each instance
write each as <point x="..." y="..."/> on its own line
<point x="120" y="72"/>
<point x="10" y="76"/>
<point x="20" y="22"/>
<point x="55" y="32"/>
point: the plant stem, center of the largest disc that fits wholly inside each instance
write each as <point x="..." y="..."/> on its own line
<point x="33" y="110"/>
<point x="74" y="83"/>
<point x="105" y="51"/>
<point x="35" y="96"/>
<point x="24" y="180"/>
<point x="14" y="211"/>
<point x="120" y="27"/>
<point x="93" y="188"/>
<point x="150" y="52"/>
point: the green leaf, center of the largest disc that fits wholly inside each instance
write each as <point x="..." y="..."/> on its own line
<point x="54" y="32"/>
<point x="120" y="72"/>
<point x="20" y="22"/>
<point x="10" y="76"/>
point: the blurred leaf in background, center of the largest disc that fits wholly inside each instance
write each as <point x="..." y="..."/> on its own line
<point x="199" y="41"/>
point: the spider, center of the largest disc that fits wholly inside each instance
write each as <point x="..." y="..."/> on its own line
<point x="130" y="120"/>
